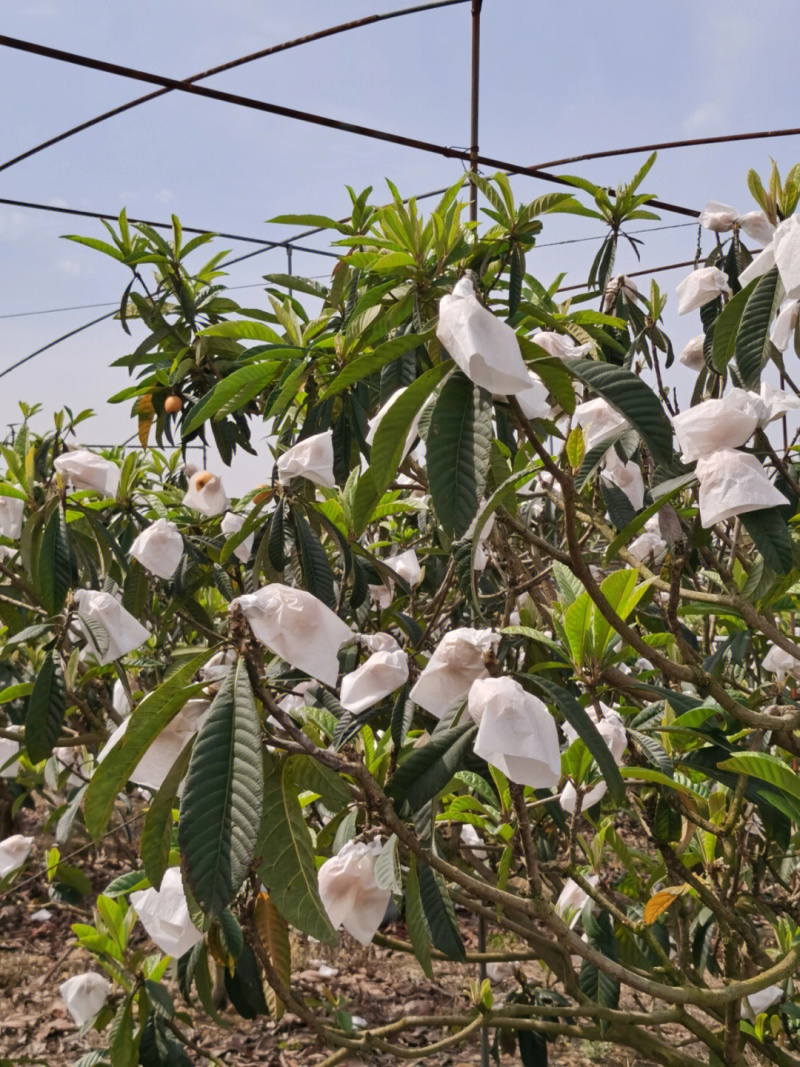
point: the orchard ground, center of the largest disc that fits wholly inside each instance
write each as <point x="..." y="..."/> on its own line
<point x="376" y="983"/>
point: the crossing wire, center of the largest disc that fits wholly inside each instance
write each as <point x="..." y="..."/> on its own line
<point x="564" y="289"/>
<point x="306" y="116"/>
<point x="344" y="27"/>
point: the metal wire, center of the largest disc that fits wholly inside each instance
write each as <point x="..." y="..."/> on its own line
<point x="52" y="344"/>
<point x="634" y="274"/>
<point x="306" y="116"/>
<point x="331" y="31"/>
<point x="691" y="142"/>
<point x="161" y="225"/>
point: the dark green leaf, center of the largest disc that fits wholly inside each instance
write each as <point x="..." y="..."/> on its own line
<point x="440" y="914"/>
<point x="317" y="573"/>
<point x="577" y="717"/>
<point x="726" y="329"/>
<point x="275" y="550"/>
<point x="402" y="716"/>
<point x="427" y="770"/>
<point x="771" y="536"/>
<point x="532" y="1048"/>
<point x="632" y="398"/>
<point x="46" y="707"/>
<point x="136" y="589"/>
<point x="753" y="345"/>
<point x="654" y="752"/>
<point x="157" y="829"/>
<point x="287" y="865"/>
<point x="221" y="806"/>
<point x="233" y="392"/>
<point x="594" y="983"/>
<point x="315" y="777"/>
<point x="54" y="562"/>
<point x="459" y="450"/>
<point x="244" y="987"/>
<point x="415" y="920"/>
<point x="145" y="724"/>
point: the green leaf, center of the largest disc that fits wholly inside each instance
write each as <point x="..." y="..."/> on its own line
<point x="655" y="752"/>
<point x="388" y="447"/>
<point x="388" y="874"/>
<point x="753" y="345"/>
<point x="244" y="330"/>
<point x="440" y="914"/>
<point x="594" y="983"/>
<point x="14" y="692"/>
<point x="232" y="393"/>
<point x="569" y="585"/>
<point x="632" y="398"/>
<point x="577" y="717"/>
<point x="371" y="362"/>
<point x="145" y="724"/>
<point x="157" y="829"/>
<point x="726" y="328"/>
<point x="46" y="707"/>
<point x="459" y="446"/>
<point x="552" y="372"/>
<point x="221" y="805"/>
<point x="659" y="778"/>
<point x="623" y="594"/>
<point x="771" y="536"/>
<point x="427" y="770"/>
<point x="315" y="777"/>
<point x="415" y="920"/>
<point x="97" y="245"/>
<point x="390" y="437"/>
<point x="54" y="562"/>
<point x="136" y="589"/>
<point x="122" y="1047"/>
<point x="287" y="865"/>
<point x="321" y="222"/>
<point x="767" y="768"/>
<point x="635" y="525"/>
<point x="578" y="628"/>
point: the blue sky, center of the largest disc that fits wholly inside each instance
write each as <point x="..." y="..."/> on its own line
<point x="557" y="79"/>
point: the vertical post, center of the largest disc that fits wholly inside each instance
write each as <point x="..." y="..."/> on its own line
<point x="473" y="139"/>
<point x="473" y="216"/>
<point x="289" y="262"/>
<point x="474" y="148"/>
<point x="482" y="979"/>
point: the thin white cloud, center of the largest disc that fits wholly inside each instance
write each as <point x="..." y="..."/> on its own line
<point x="704" y="118"/>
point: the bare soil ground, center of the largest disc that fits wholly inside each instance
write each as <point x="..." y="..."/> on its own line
<point x="378" y="984"/>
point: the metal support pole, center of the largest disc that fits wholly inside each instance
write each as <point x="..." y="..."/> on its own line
<point x="289" y="263"/>
<point x="473" y="215"/>
<point x="473" y="140"/>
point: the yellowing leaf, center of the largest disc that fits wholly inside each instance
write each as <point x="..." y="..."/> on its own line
<point x="145" y="412"/>
<point x="576" y="448"/>
<point x="273" y="933"/>
<point x="661" y="901"/>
